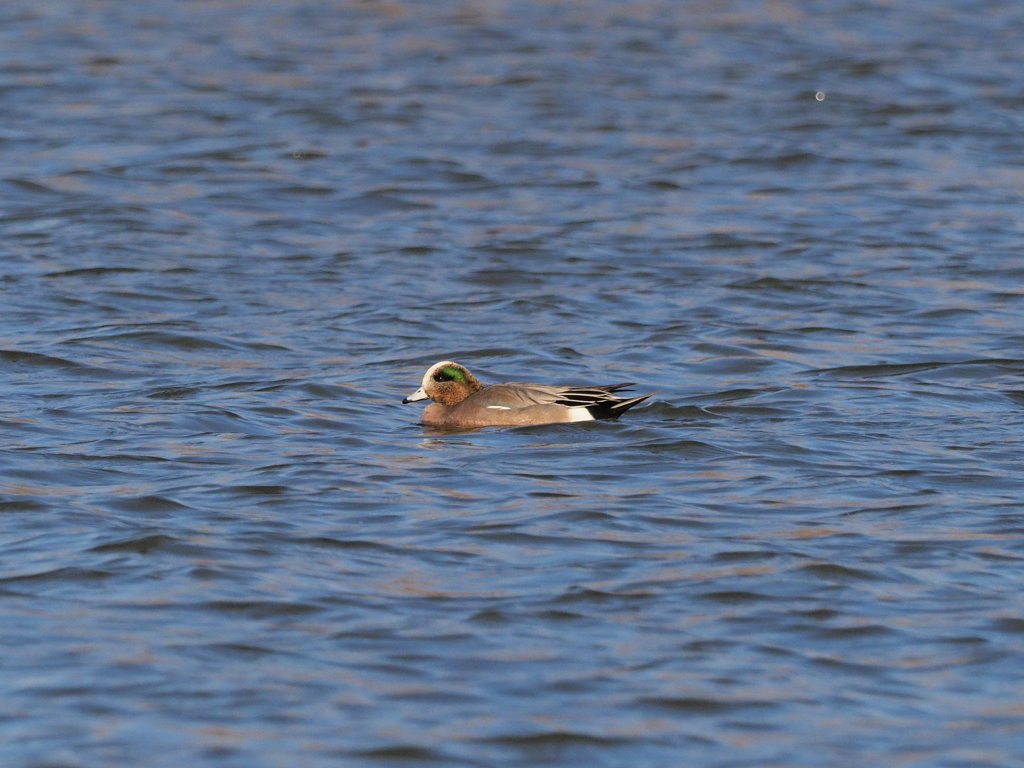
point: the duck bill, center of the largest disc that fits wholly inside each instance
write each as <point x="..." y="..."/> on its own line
<point x="419" y="394"/>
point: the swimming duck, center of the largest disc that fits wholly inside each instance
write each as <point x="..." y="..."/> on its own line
<point x="460" y="400"/>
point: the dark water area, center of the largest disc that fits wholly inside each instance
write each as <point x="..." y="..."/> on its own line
<point x="236" y="233"/>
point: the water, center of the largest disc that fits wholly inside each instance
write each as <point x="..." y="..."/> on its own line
<point x="235" y="234"/>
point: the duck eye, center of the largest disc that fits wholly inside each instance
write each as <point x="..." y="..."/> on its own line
<point x="450" y="373"/>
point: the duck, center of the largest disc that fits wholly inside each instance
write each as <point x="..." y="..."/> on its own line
<point x="461" y="401"/>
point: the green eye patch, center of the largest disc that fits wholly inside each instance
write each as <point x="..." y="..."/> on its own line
<point x="454" y="374"/>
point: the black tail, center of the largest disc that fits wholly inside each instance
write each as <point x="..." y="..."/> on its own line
<point x="600" y="401"/>
<point x="612" y="408"/>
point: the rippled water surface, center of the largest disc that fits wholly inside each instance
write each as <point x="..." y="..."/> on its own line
<point x="236" y="233"/>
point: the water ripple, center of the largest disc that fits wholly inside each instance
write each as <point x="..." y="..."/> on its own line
<point x="237" y="234"/>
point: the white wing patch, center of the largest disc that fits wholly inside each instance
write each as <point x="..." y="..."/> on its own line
<point x="500" y="407"/>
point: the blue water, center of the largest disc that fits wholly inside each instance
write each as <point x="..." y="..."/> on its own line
<point x="235" y="234"/>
